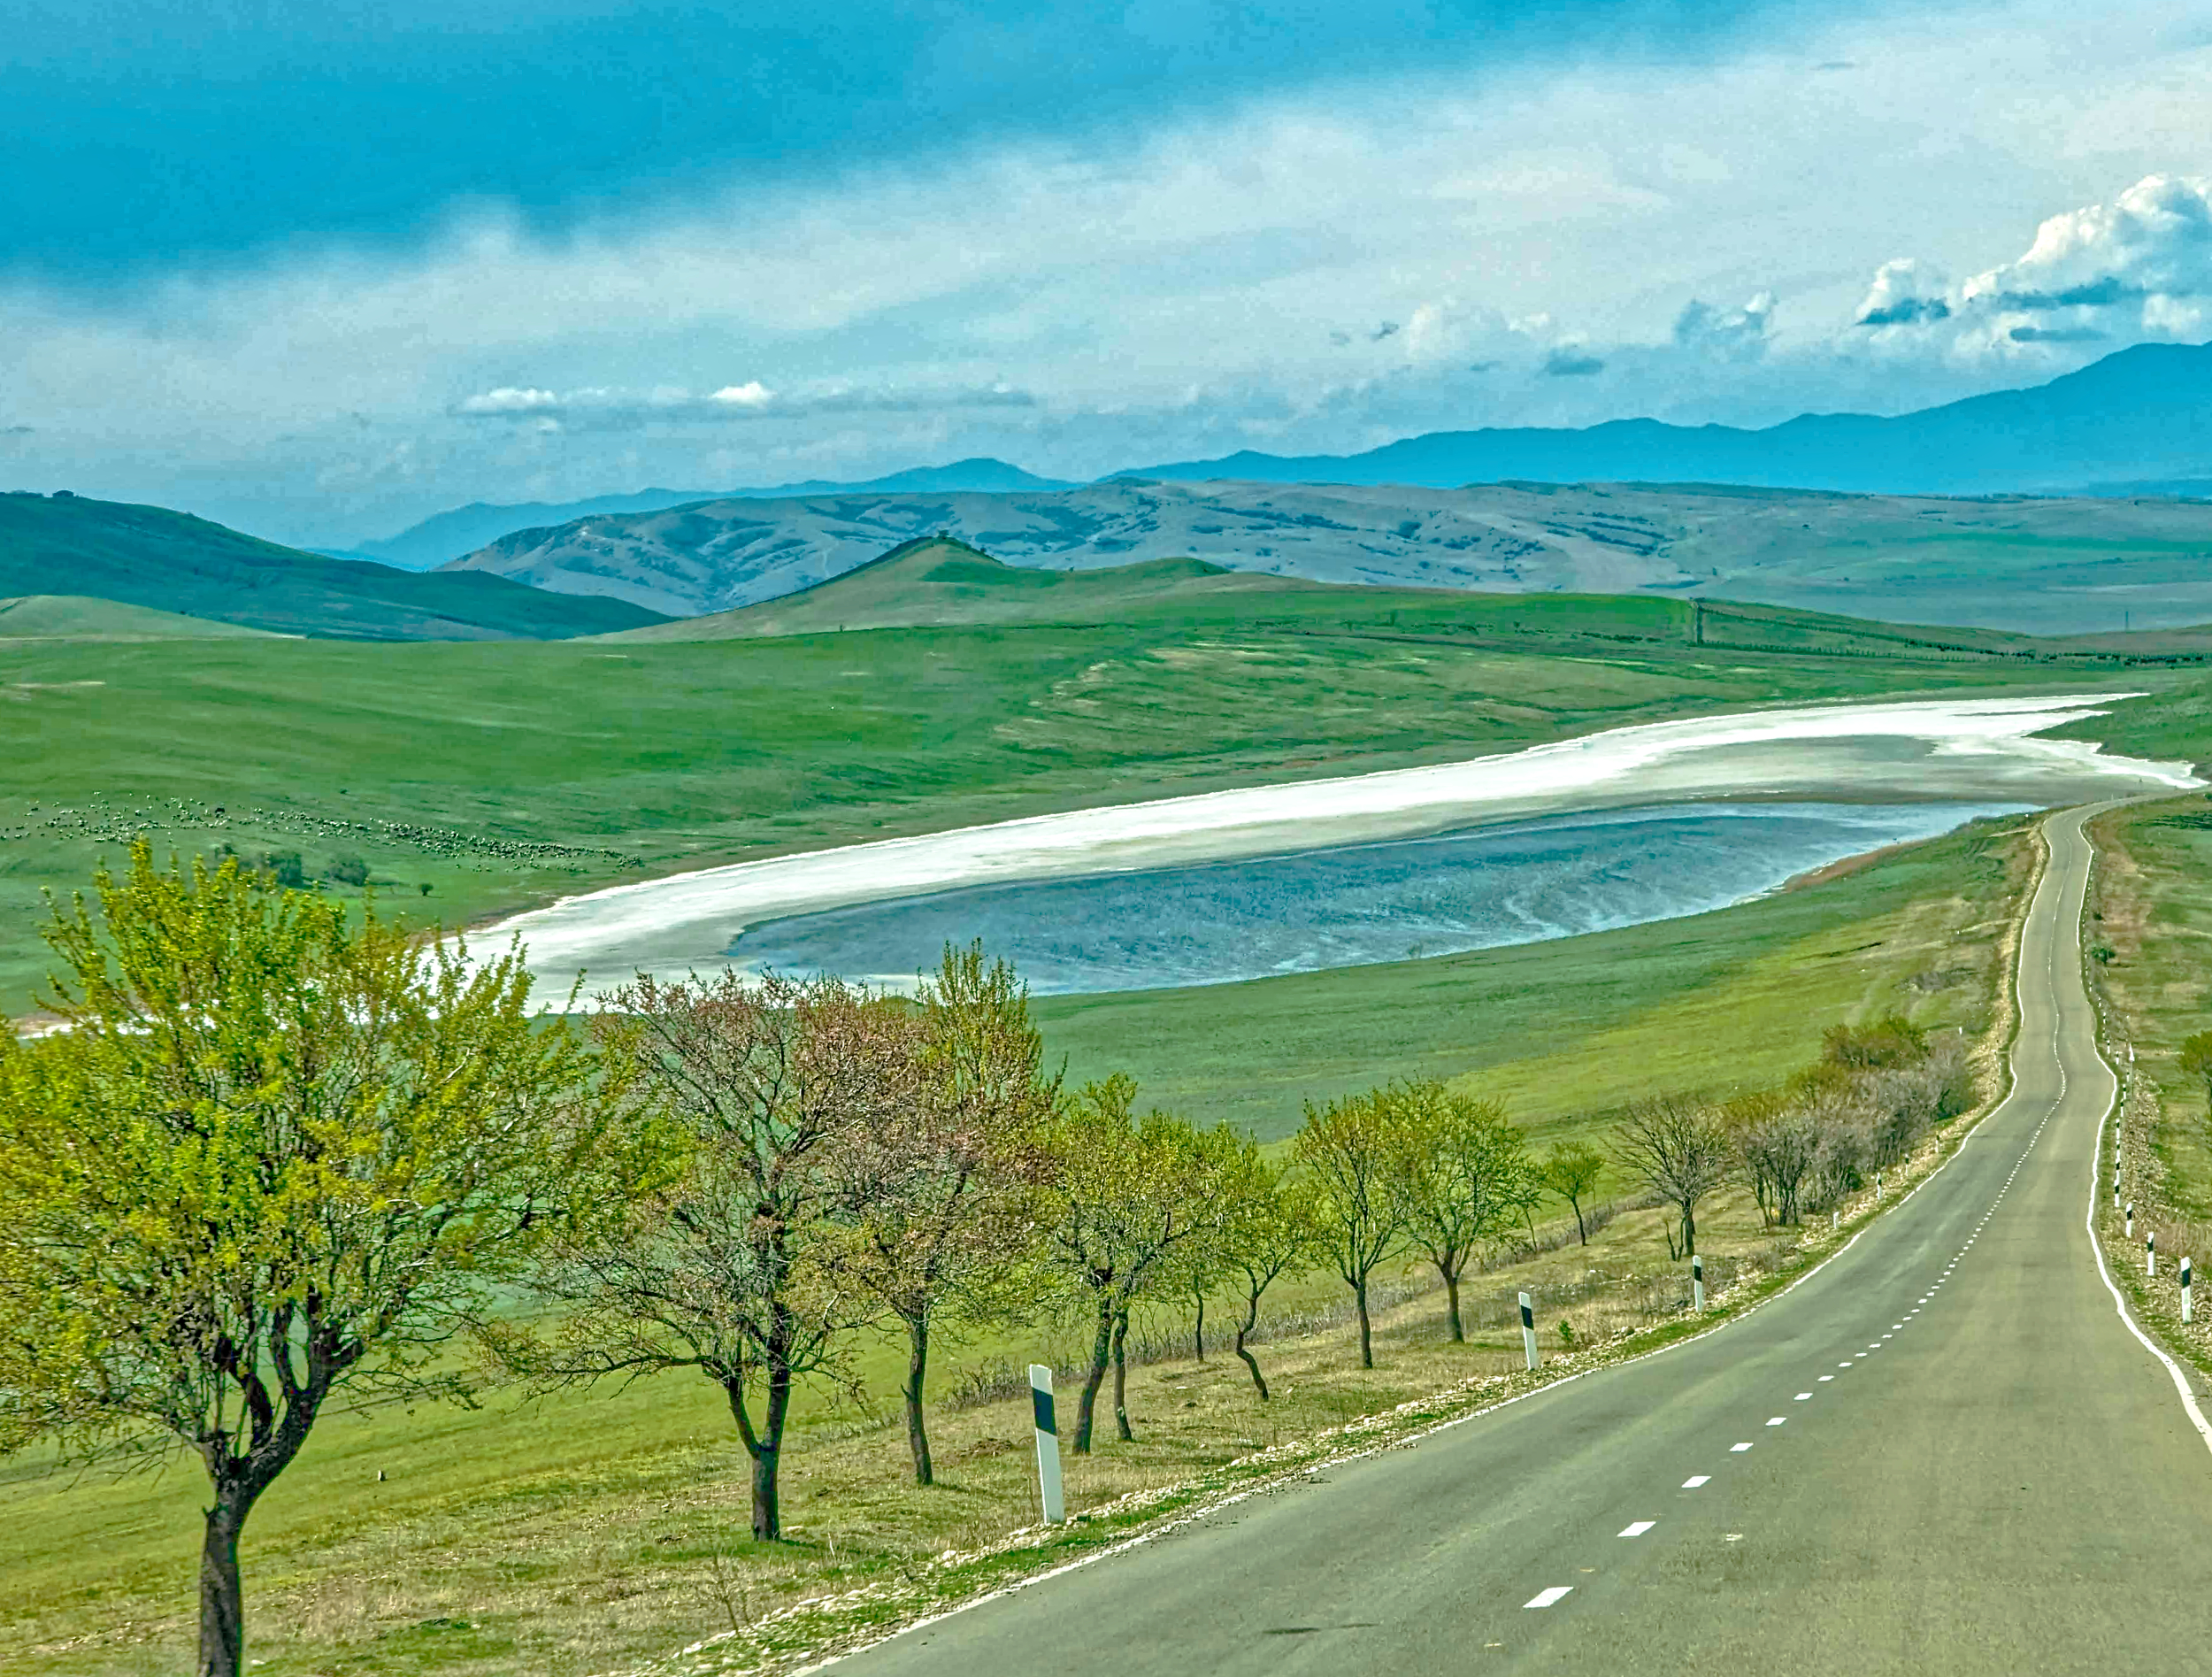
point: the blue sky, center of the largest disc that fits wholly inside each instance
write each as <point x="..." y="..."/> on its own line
<point x="321" y="269"/>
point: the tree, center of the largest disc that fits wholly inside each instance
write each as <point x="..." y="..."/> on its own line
<point x="1355" y="1149"/>
<point x="1778" y="1139"/>
<point x="1124" y="1196"/>
<point x="939" y="1195"/>
<point x="1263" y="1231"/>
<point x="1892" y="1040"/>
<point x="1675" y="1148"/>
<point x="731" y="1260"/>
<point x="1466" y="1175"/>
<point x="1572" y="1171"/>
<point x="275" y="1160"/>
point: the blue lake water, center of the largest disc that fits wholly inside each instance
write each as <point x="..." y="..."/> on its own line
<point x="1353" y="905"/>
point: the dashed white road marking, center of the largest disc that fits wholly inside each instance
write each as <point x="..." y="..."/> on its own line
<point x="1638" y="1527"/>
<point x="1738" y="1449"/>
<point x="1546" y="1598"/>
<point x="1695" y="1480"/>
<point x="1778" y="1420"/>
<point x="1827" y="1377"/>
<point x="1801" y="1396"/>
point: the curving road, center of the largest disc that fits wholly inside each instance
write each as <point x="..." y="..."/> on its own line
<point x="1943" y="1452"/>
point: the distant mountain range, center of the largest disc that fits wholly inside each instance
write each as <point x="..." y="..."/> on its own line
<point x="450" y="535"/>
<point x="172" y="562"/>
<point x="2138" y="422"/>
<point x="2140" y="415"/>
<point x="2033" y="566"/>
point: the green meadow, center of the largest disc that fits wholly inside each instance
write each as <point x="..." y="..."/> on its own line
<point x="475" y="778"/>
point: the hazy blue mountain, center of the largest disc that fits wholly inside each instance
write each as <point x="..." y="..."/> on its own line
<point x="2139" y="417"/>
<point x="449" y="536"/>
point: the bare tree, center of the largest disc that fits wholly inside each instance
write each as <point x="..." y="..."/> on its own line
<point x="938" y="1195"/>
<point x="1778" y="1139"/>
<point x="732" y="1263"/>
<point x="1465" y="1175"/>
<point x="1572" y="1171"/>
<point x="1676" y="1146"/>
<point x="1354" y="1151"/>
<point x="1123" y="1195"/>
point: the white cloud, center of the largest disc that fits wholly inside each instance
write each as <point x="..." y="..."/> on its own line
<point x="1726" y="335"/>
<point x="2139" y="266"/>
<point x="1170" y="292"/>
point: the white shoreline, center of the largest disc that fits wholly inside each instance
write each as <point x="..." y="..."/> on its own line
<point x="1934" y="749"/>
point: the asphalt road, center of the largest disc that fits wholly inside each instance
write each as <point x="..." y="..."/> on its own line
<point x="1942" y="1453"/>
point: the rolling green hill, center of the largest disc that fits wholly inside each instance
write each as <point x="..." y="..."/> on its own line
<point x="503" y="775"/>
<point x="937" y="583"/>
<point x="71" y="617"/>
<point x="172" y="562"/>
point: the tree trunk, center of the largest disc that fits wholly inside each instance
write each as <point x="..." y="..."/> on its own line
<point x="1689" y="1231"/>
<point x="222" y="1602"/>
<point x="1366" y="1333"/>
<point x="917" y="1366"/>
<point x="765" y="1446"/>
<point x="1121" y="1379"/>
<point x="1582" y="1233"/>
<point x="1198" y="1326"/>
<point x="1251" y="1320"/>
<point x="1102" y="1349"/>
<point x="1451" y="1302"/>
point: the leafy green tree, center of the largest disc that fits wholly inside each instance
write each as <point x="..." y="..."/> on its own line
<point x="1356" y="1153"/>
<point x="1269" y="1231"/>
<point x="1571" y="1172"/>
<point x="348" y="870"/>
<point x="733" y="1261"/>
<point x="274" y="1158"/>
<point x="1123" y="1195"/>
<point x="1466" y="1176"/>
<point x="939" y="1196"/>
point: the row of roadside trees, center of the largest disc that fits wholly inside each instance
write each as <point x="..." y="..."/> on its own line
<point x="282" y="1154"/>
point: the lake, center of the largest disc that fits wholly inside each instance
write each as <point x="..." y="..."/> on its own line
<point x="1353" y="905"/>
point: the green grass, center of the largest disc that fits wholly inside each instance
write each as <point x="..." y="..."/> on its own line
<point x="2152" y="911"/>
<point x="583" y="1532"/>
<point x="503" y="775"/>
<point x="71" y="617"/>
<point x="1566" y="1029"/>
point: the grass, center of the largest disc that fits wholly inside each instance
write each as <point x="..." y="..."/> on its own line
<point x="2151" y="911"/>
<point x="501" y="775"/>
<point x="596" y="1530"/>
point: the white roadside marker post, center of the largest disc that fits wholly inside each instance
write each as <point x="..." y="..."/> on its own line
<point x="1048" y="1445"/>
<point x="1528" y="1328"/>
<point x="2131" y="1228"/>
<point x="2150" y="1251"/>
<point x="1697" y="1281"/>
<point x="1877" y="1187"/>
<point x="2184" y="1292"/>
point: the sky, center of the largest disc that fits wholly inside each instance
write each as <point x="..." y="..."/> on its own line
<point x="319" y="268"/>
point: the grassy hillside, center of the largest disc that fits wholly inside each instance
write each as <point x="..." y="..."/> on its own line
<point x="148" y="556"/>
<point x="503" y="775"/>
<point x="933" y="583"/>
<point x="67" y="617"/>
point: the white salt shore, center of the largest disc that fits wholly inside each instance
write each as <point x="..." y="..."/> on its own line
<point x="1960" y="749"/>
